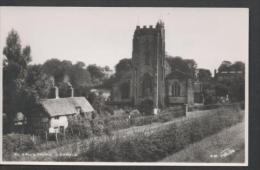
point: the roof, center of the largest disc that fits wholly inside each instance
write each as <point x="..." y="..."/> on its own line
<point x="65" y="106"/>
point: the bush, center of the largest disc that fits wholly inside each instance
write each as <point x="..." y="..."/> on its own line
<point x="118" y="124"/>
<point x="79" y="127"/>
<point x="97" y="126"/>
<point x="163" y="141"/>
<point x="16" y="143"/>
<point x="146" y="107"/>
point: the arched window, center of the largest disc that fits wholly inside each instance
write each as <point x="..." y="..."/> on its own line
<point x="176" y="89"/>
<point x="147" y="85"/>
<point x="125" y="90"/>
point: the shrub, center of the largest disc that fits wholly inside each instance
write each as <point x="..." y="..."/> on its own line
<point x="97" y="126"/>
<point x="118" y="124"/>
<point x="146" y="106"/>
<point x="161" y="142"/>
<point x="16" y="143"/>
<point x="79" y="127"/>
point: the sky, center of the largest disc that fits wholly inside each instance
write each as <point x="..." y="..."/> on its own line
<point x="103" y="36"/>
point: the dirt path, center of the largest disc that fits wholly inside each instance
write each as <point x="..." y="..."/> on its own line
<point x="225" y="146"/>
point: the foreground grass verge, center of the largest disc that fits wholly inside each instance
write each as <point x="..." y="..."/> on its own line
<point x="148" y="147"/>
<point x="227" y="145"/>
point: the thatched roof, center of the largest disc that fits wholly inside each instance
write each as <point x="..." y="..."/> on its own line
<point x="65" y="106"/>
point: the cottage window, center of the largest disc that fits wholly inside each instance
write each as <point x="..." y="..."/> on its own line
<point x="82" y="114"/>
<point x="78" y="109"/>
<point x="176" y="89"/>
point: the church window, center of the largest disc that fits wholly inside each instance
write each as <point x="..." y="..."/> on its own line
<point x="176" y="89"/>
<point x="147" y="87"/>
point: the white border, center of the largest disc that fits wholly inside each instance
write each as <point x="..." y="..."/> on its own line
<point x="143" y="163"/>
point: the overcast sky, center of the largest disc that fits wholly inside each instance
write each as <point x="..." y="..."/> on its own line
<point x="103" y="36"/>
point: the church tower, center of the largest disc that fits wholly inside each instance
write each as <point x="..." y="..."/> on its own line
<point x="148" y="58"/>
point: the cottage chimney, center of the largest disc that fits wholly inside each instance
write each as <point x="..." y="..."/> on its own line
<point x="71" y="89"/>
<point x="56" y="92"/>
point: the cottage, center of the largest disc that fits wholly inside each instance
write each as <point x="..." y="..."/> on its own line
<point x="52" y="115"/>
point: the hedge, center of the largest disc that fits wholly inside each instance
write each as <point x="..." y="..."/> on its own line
<point x="141" y="147"/>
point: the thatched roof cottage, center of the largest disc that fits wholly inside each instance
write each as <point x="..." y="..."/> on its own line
<point x="52" y="115"/>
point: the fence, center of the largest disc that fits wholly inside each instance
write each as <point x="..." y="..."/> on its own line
<point x="240" y="105"/>
<point x="122" y="122"/>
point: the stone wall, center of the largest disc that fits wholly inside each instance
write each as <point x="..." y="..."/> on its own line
<point x="148" y="59"/>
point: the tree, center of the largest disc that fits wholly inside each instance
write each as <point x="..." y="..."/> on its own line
<point x="192" y="66"/>
<point x="38" y="80"/>
<point x="14" y="73"/>
<point x="233" y="83"/>
<point x="53" y="67"/>
<point x="58" y="69"/>
<point x="204" y="75"/>
<point x="80" y="77"/>
<point x="238" y="66"/>
<point x="225" y="65"/>
<point x="187" y="66"/>
<point x="123" y="66"/>
<point x="97" y="74"/>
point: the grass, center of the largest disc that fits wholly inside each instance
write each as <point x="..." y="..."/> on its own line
<point x="149" y="147"/>
<point x="210" y="148"/>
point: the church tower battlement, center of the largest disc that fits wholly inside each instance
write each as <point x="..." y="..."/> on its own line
<point x="148" y="58"/>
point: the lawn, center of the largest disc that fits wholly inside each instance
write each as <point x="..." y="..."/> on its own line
<point x="225" y="146"/>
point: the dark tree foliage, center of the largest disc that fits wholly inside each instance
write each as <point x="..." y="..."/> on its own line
<point x="98" y="103"/>
<point x="97" y="74"/>
<point x="225" y="65"/>
<point x="58" y="69"/>
<point x="123" y="66"/>
<point x="234" y="84"/>
<point x="204" y="75"/>
<point x="38" y="80"/>
<point x="108" y="83"/>
<point x="186" y="66"/>
<point x="14" y="73"/>
<point x="66" y="74"/>
<point x="80" y="76"/>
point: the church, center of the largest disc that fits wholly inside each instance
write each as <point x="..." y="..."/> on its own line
<point x="151" y="77"/>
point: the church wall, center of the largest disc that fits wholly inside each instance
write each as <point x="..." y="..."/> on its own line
<point x="190" y="92"/>
<point x="182" y="99"/>
<point x="148" y="44"/>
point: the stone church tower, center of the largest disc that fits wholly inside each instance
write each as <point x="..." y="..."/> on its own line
<point x="148" y="59"/>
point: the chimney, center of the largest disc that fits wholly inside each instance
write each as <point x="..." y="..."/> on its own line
<point x="56" y="92"/>
<point x="71" y="91"/>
